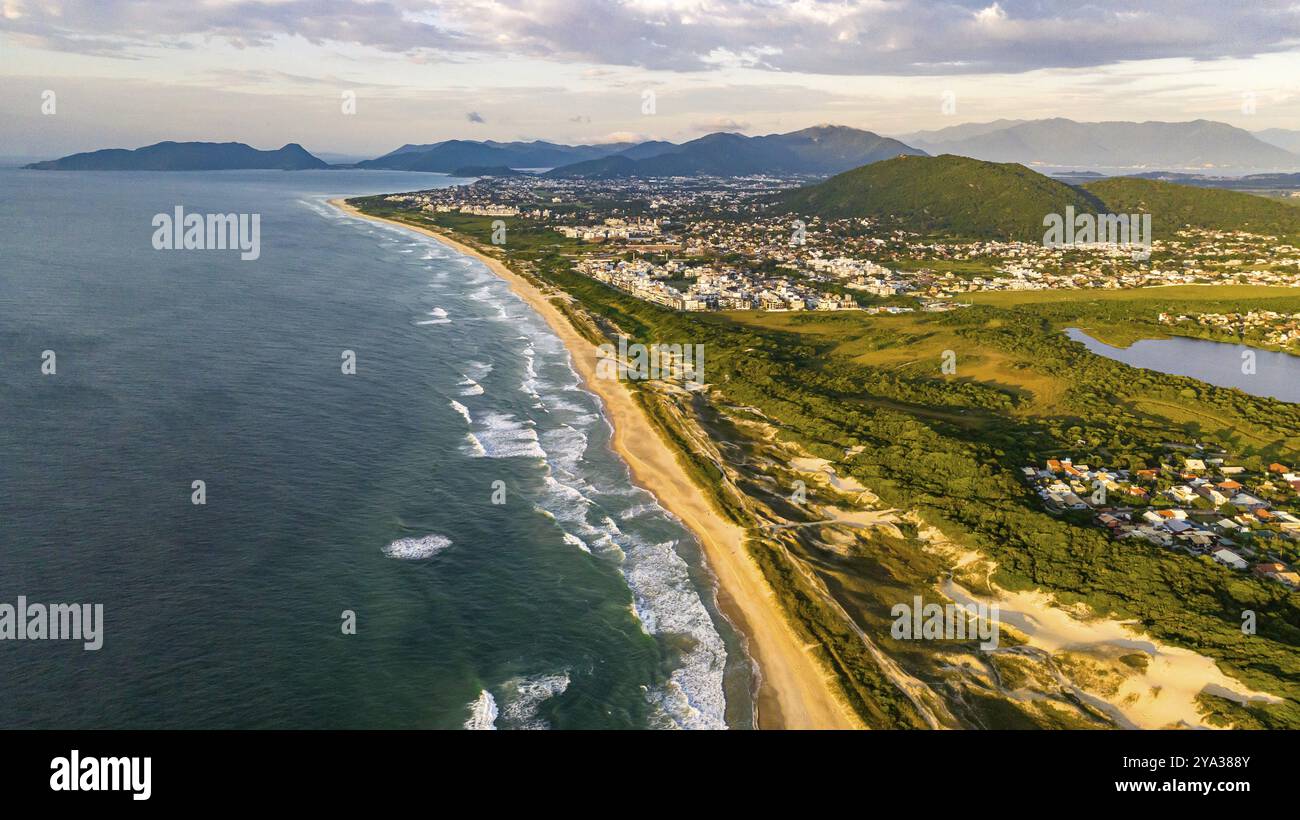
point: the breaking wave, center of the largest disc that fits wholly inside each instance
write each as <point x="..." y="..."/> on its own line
<point x="415" y="549"/>
<point x="483" y="712"/>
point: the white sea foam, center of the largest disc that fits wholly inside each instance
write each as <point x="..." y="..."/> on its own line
<point x="667" y="603"/>
<point x="463" y="410"/>
<point x="415" y="549"/>
<point x="564" y="405"/>
<point x="473" y="447"/>
<point x="483" y="712"/>
<point x="526" y="695"/>
<point x="487" y="293"/>
<point x="501" y="435"/>
<point x="638" y="510"/>
<point x="567" y="492"/>
<point x="665" y="600"/>
<point x="567" y="446"/>
<point x="575" y="541"/>
<point x="529" y="385"/>
<point x="439" y="317"/>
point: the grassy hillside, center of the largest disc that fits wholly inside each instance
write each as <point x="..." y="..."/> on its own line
<point x="944" y="195"/>
<point x="963" y="197"/>
<point x="1174" y="206"/>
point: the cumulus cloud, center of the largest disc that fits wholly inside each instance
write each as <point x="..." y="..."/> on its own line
<point x="902" y="37"/>
<point x="475" y="117"/>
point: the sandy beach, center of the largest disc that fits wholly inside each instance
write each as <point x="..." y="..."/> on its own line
<point x="794" y="691"/>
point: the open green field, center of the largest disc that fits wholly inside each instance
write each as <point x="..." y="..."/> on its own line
<point x="914" y="344"/>
<point x="965" y="268"/>
<point x="1174" y="293"/>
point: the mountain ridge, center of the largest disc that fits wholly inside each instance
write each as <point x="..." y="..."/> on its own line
<point x="1061" y="142"/>
<point x="186" y="156"/>
<point x="815" y="151"/>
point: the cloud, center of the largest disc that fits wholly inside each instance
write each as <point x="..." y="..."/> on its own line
<point x="720" y="124"/>
<point x="889" y="37"/>
<point x="621" y="136"/>
<point x="475" y="117"/>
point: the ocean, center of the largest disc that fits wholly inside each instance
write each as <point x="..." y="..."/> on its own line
<point x="330" y="498"/>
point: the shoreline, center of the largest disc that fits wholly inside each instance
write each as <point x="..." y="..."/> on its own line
<point x="794" y="692"/>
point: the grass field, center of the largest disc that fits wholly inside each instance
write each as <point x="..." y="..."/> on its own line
<point x="915" y="344"/>
<point x="1175" y="293"/>
<point x="958" y="267"/>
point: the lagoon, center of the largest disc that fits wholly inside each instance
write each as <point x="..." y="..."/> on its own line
<point x="1276" y="375"/>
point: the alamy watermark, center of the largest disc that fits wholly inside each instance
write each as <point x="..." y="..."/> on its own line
<point x="674" y="362"/>
<point x="954" y="622"/>
<point x="53" y="622"/>
<point x="198" y="232"/>
<point x="1086" y="229"/>
<point x="75" y="773"/>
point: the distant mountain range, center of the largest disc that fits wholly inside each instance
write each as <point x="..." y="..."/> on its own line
<point x="1248" y="182"/>
<point x="186" y="156"/>
<point x="1062" y="143"/>
<point x="958" y="196"/>
<point x="821" y="150"/>
<point x="1052" y="144"/>
<point x="814" y="151"/>
<point x="825" y="149"/>
<point x="445" y="157"/>
<point x="1281" y="137"/>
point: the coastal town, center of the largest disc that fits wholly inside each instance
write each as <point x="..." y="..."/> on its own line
<point x="1197" y="503"/>
<point x="1265" y="328"/>
<point x="703" y="243"/>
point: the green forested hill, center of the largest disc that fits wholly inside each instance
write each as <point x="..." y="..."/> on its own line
<point x="944" y="195"/>
<point x="963" y="197"/>
<point x="1173" y="206"/>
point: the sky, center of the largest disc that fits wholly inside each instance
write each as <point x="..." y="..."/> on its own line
<point x="361" y="77"/>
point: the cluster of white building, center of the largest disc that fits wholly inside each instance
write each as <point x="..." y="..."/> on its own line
<point x="861" y="274"/>
<point x="633" y="230"/>
<point x="1270" y="327"/>
<point x="710" y="289"/>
